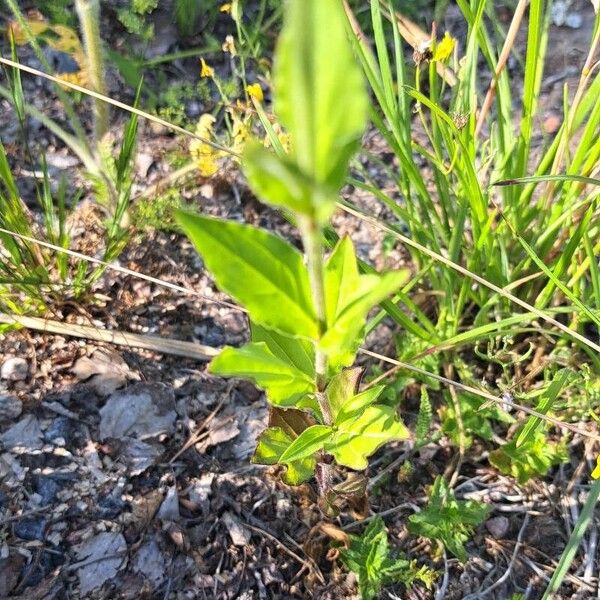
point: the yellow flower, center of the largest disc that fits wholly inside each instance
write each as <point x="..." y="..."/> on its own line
<point x="204" y="154"/>
<point x="225" y="8"/>
<point x="205" y="70"/>
<point x="229" y="46"/>
<point x="444" y="49"/>
<point x="596" y="471"/>
<point x="255" y="91"/>
<point x="241" y="132"/>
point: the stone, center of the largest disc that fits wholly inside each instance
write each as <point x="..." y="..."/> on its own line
<point x="14" y="369"/>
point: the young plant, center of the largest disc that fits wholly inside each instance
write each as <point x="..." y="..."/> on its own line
<point x="448" y="520"/>
<point x="307" y="312"/>
<point x="368" y="555"/>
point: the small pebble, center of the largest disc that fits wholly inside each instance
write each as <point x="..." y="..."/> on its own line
<point x="498" y="526"/>
<point x="14" y="369"/>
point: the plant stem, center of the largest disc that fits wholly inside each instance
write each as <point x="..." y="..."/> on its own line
<point x="313" y="247"/>
<point x="89" y="19"/>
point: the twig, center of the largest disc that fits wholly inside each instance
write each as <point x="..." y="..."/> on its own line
<point x="119" y="338"/>
<point x="441" y="593"/>
<point x="511" y="563"/>
<point x="305" y="562"/>
<point x="502" y="60"/>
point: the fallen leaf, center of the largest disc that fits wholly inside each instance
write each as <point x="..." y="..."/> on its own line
<point x="240" y="536"/>
<point x="141" y="411"/>
<point x="138" y="455"/>
<point x="169" y="509"/>
<point x="24" y="436"/>
<point x="102" y="557"/>
<point x="105" y="371"/>
<point x="150" y="562"/>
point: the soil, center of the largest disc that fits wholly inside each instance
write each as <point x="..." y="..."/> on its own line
<point x="127" y="473"/>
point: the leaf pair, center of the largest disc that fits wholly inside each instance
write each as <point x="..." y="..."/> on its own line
<point x="268" y="276"/>
<point x="359" y="427"/>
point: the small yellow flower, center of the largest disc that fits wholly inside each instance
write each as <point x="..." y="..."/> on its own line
<point x="255" y="91"/>
<point x="444" y="49"/>
<point x="205" y="70"/>
<point x="225" y="8"/>
<point x="596" y="471"/>
<point x="229" y="46"/>
<point x="204" y="154"/>
<point x="241" y="132"/>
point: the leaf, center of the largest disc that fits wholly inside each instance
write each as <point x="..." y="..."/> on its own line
<point x="276" y="180"/>
<point x="424" y="418"/>
<point x="448" y="520"/>
<point x="360" y="401"/>
<point x="368" y="556"/>
<point x="307" y="443"/>
<point x="359" y="435"/>
<point x="341" y="388"/>
<point x="531" y="459"/>
<point x="322" y="102"/>
<point x="261" y="271"/>
<point x="295" y="351"/>
<point x="283" y="383"/>
<point x="348" y="299"/>
<point x="534" y="423"/>
<point x="271" y="445"/>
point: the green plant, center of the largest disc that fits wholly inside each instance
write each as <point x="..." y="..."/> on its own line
<point x="368" y="555"/>
<point x="307" y="318"/>
<point x="448" y="520"/>
<point x="134" y="17"/>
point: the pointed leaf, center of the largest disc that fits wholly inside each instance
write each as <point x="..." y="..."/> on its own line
<point x="344" y="335"/>
<point x="271" y="445"/>
<point x="320" y="99"/>
<point x="295" y="351"/>
<point x="260" y="270"/>
<point x="307" y="443"/>
<point x="358" y="437"/>
<point x="282" y="382"/>
<point x="341" y="388"/>
<point x="360" y="401"/>
<point x="276" y="180"/>
<point x="348" y="298"/>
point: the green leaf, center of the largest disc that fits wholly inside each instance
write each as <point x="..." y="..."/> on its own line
<point x="295" y="351"/>
<point x="283" y="383"/>
<point x="448" y="520"/>
<point x="360" y="401"/>
<point x="307" y="443"/>
<point x="272" y="443"/>
<point x="276" y="180"/>
<point x="359" y="435"/>
<point x="424" y="418"/>
<point x="534" y="423"/>
<point x="348" y="298"/>
<point x="319" y="91"/>
<point x="532" y="458"/>
<point x="341" y="388"/>
<point x="260" y="270"/>
<point x="369" y="557"/>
